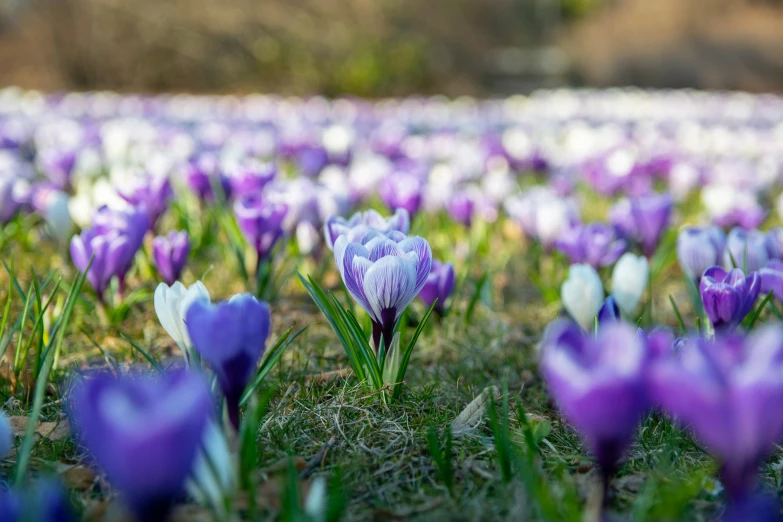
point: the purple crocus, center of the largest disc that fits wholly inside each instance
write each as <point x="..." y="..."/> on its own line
<point x="644" y="218"/>
<point x="609" y="312"/>
<point x="402" y="190"/>
<point x="251" y="177"/>
<point x="699" y="248"/>
<point x="745" y="249"/>
<point x="595" y="244"/>
<point x="261" y="222"/>
<point x="728" y="392"/>
<point x="772" y="278"/>
<point x="599" y="384"/>
<point x="14" y="195"/>
<point x="383" y="273"/>
<point x="728" y="296"/>
<point x="460" y="207"/>
<point x="144" y="432"/>
<point x="231" y="337"/>
<point x="131" y="224"/>
<point x="58" y="166"/>
<point x="46" y="501"/>
<point x="171" y="253"/>
<point x="774" y="241"/>
<point x="439" y="285"/>
<point x="106" y="251"/>
<point x="203" y="176"/>
<point x="362" y="222"/>
<point x="152" y="193"/>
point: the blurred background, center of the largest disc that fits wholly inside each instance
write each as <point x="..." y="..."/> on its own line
<point x="379" y="48"/>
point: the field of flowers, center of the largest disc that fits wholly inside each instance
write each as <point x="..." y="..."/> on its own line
<point x="557" y="307"/>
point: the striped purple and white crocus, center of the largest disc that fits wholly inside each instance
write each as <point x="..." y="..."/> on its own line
<point x="383" y="272"/>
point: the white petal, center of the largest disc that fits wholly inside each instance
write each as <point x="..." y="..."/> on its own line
<point x="389" y="284"/>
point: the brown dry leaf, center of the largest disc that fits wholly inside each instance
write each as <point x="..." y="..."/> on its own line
<point x="77" y="477"/>
<point x="53" y="431"/>
<point x="281" y="466"/>
<point x="269" y="494"/>
<point x="473" y="415"/>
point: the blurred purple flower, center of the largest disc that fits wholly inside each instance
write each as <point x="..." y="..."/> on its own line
<point x="203" y="176"/>
<point x="595" y="244"/>
<point x="460" y="207"/>
<point x="14" y="196"/>
<point x="644" y="219"/>
<point x="402" y="190"/>
<point x="728" y="296"/>
<point x="699" y="248"/>
<point x="261" y="222"/>
<point x="45" y="501"/>
<point x="251" y="177"/>
<point x="599" y="384"/>
<point x="772" y="278"/>
<point x="311" y="160"/>
<point x="439" y="285"/>
<point x="728" y="392"/>
<point x="152" y="193"/>
<point x="58" y="166"/>
<point x="383" y="273"/>
<point x="231" y="337"/>
<point x="144" y="432"/>
<point x="362" y="222"/>
<point x="746" y="247"/>
<point x="609" y="312"/>
<point x="171" y="254"/>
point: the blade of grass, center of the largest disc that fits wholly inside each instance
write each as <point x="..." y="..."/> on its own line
<point x="406" y="357"/>
<point x="270" y="360"/>
<point x="23" y="459"/>
<point x="144" y="354"/>
<point x="677" y="313"/>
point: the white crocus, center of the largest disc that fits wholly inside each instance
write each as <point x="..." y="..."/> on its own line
<point x="582" y="294"/>
<point x="58" y="216"/>
<point x="629" y="279"/>
<point x="316" y="501"/>
<point x="171" y="305"/>
<point x="213" y="476"/>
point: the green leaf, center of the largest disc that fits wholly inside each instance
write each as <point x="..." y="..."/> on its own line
<point x="272" y="356"/>
<point x="757" y="312"/>
<point x="475" y="297"/>
<point x="23" y="458"/>
<point x="677" y="313"/>
<point x="406" y="357"/>
<point x="147" y="356"/>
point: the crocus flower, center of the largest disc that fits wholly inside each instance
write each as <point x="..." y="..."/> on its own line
<point x="383" y="273"/>
<point x="231" y="337"/>
<point x="14" y="193"/>
<point x="6" y="436"/>
<point x="599" y="385"/>
<point x="774" y="241"/>
<point x="170" y="254"/>
<point x="699" y="248"/>
<point x="144" y="431"/>
<point x="772" y="278"/>
<point x="629" y="279"/>
<point x="609" y="312"/>
<point x="595" y="244"/>
<point x="45" y="501"/>
<point x="402" y="190"/>
<point x="58" y="166"/>
<point x="361" y="222"/>
<point x="171" y="305"/>
<point x="251" y="177"/>
<point x="644" y="219"/>
<point x="261" y="222"/>
<point x="728" y="392"/>
<point x="748" y="248"/>
<point x="542" y="214"/>
<point x="582" y="294"/>
<point x="439" y="285"/>
<point x="52" y="204"/>
<point x="203" y="177"/>
<point x="728" y="296"/>
<point x="107" y="252"/>
<point x="129" y="224"/>
<point x="152" y="193"/>
<point x="460" y="207"/>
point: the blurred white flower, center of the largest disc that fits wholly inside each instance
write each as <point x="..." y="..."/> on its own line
<point x="582" y="294"/>
<point x="629" y="280"/>
<point x="171" y="305"/>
